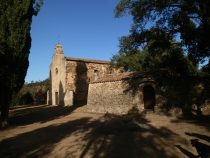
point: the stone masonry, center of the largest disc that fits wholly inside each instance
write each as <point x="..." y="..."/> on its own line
<point x="94" y="85"/>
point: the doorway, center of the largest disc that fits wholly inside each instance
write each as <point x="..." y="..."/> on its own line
<point x="56" y="98"/>
<point x="149" y="97"/>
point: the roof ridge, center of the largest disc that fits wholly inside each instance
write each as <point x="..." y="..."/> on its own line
<point x="88" y="60"/>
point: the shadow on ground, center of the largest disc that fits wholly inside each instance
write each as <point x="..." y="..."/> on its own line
<point x="128" y="137"/>
<point x="203" y="150"/>
<point x="194" y="119"/>
<point x="199" y="136"/>
<point x="187" y="153"/>
<point x="38" y="142"/>
<point x="43" y="113"/>
<point x="110" y="136"/>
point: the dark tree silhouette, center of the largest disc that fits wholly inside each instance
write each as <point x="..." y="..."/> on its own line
<point x="185" y="21"/>
<point x="172" y="39"/>
<point x="15" y="44"/>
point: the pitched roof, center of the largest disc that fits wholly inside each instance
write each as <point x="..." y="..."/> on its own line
<point x="88" y="60"/>
<point x="114" y="77"/>
<point x="123" y="76"/>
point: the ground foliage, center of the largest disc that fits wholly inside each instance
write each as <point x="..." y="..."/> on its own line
<point x="171" y="40"/>
<point x="32" y="93"/>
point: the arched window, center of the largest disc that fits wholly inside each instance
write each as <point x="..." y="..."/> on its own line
<point x="96" y="75"/>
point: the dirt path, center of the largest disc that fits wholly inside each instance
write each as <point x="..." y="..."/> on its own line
<point x="59" y="132"/>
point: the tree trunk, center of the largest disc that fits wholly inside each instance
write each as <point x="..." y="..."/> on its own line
<point x="4" y="105"/>
<point x="4" y="116"/>
<point x="187" y="110"/>
<point x="198" y="111"/>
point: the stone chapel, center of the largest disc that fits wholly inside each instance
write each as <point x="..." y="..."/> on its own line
<point x="96" y="86"/>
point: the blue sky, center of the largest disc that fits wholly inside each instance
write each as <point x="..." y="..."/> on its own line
<point x="85" y="28"/>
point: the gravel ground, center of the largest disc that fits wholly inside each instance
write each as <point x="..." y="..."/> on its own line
<point x="63" y="132"/>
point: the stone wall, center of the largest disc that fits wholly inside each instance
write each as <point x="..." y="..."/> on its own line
<point x="112" y="97"/>
<point x="71" y="75"/>
<point x="97" y="86"/>
<point x="79" y="73"/>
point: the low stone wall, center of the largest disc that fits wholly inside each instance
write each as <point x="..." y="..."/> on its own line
<point x="112" y="97"/>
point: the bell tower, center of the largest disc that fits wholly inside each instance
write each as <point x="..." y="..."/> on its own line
<point x="58" y="76"/>
<point x="58" y="49"/>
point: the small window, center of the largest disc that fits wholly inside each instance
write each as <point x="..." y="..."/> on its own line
<point x="96" y="75"/>
<point x="56" y="71"/>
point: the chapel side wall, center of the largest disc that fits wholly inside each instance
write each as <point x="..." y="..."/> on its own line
<point x="71" y="75"/>
<point x="90" y="71"/>
<point x="77" y="81"/>
<point x="79" y="74"/>
<point x="97" y="71"/>
<point x="111" y="97"/>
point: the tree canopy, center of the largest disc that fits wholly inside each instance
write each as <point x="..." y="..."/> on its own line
<point x="171" y="37"/>
<point x="186" y="22"/>
<point x="15" y="43"/>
